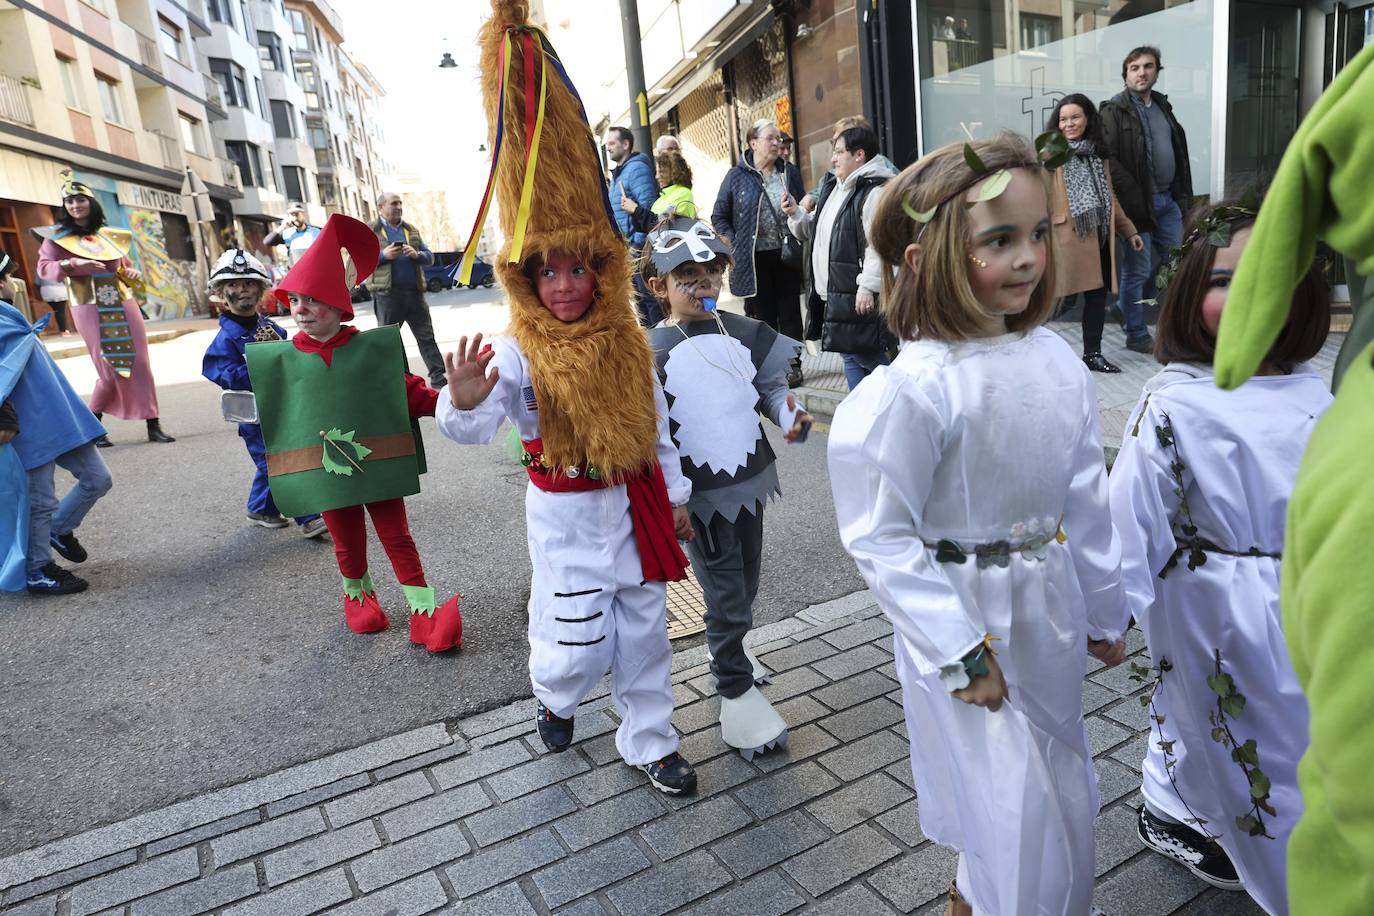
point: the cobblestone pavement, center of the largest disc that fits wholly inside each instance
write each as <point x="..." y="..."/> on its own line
<point x="479" y="819"/>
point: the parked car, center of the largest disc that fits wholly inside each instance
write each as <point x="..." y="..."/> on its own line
<point x="443" y="273"/>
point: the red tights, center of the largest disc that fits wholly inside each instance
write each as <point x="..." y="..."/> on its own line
<point x="349" y="530"/>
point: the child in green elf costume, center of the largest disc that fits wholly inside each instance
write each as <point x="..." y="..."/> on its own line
<point x="338" y="412"/>
<point x="1323" y="189"/>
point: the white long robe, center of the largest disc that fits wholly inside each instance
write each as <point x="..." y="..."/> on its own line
<point x="1240" y="450"/>
<point x="978" y="442"/>
<point x="590" y="608"/>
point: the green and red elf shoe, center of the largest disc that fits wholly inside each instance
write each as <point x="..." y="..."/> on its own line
<point x="361" y="610"/>
<point x="437" y="628"/>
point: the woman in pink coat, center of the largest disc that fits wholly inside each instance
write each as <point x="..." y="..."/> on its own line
<point x="93" y="260"/>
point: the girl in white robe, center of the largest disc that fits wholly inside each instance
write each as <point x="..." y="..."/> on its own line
<point x="970" y="488"/>
<point x="1199" y="496"/>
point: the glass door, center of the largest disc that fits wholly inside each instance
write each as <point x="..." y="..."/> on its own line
<point x="1261" y="90"/>
<point x="1348" y="31"/>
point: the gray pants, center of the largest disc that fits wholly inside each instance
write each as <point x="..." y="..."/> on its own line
<point x="408" y="306"/>
<point x="46" y="515"/>
<point x="725" y="558"/>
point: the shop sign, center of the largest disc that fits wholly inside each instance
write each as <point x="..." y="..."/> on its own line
<point x="142" y="197"/>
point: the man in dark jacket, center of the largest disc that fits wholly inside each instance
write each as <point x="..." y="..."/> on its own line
<point x="632" y="177"/>
<point x="1152" y="179"/>
<point x="398" y="283"/>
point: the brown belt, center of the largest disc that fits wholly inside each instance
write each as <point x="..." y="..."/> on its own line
<point x="396" y="445"/>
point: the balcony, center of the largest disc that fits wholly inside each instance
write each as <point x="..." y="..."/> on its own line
<point x="14" y="101"/>
<point x="231" y="174"/>
<point x="149" y="54"/>
<point x="171" y="150"/>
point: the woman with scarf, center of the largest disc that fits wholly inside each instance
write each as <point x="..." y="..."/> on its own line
<point x="92" y="259"/>
<point x="1087" y="220"/>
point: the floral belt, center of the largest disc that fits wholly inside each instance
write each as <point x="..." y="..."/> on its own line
<point x="997" y="553"/>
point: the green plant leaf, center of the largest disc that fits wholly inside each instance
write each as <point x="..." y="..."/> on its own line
<point x="1250" y="824"/>
<point x="920" y="216"/>
<point x="1247" y="753"/>
<point x="1219" y="735"/>
<point x="974" y="161"/>
<point x="1232" y="705"/>
<point x="1052" y="149"/>
<point x="1222" y="684"/>
<point x="1259" y="785"/>
<point x="993" y="187"/>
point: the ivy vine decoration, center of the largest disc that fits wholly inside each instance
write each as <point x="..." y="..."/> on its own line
<point x="1230" y="703"/>
<point x="1190" y="543"/>
<point x="1154" y="677"/>
<point x="1215" y="230"/>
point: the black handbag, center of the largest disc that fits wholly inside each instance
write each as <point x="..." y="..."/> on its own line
<point x="791" y="252"/>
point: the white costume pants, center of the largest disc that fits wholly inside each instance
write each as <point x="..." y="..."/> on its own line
<point x="591" y="610"/>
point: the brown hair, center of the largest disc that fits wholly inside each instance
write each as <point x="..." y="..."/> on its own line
<point x="1139" y="52"/>
<point x="844" y="124"/>
<point x="644" y="264"/>
<point x="1180" y="335"/>
<point x="674" y="168"/>
<point x="936" y="302"/>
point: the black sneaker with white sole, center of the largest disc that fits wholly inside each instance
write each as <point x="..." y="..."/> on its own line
<point x="1195" y="852"/>
<point x="54" y="580"/>
<point x="68" y="546"/>
<point x="556" y="733"/>
<point x="672" y="775"/>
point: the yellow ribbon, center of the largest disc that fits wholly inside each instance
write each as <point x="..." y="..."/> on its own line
<point x="522" y="215"/>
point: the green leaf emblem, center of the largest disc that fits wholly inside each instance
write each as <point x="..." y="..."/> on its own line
<point x="341" y="454"/>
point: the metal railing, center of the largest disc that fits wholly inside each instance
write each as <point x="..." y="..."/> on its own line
<point x="149" y="54"/>
<point x="14" y="101"/>
<point x="231" y="174"/>
<point x="213" y="92"/>
<point x="171" y="150"/>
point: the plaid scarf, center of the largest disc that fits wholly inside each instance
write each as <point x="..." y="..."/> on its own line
<point x="1090" y="200"/>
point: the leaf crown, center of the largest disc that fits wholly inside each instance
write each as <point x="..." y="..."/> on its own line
<point x="1215" y="229"/>
<point x="1052" y="150"/>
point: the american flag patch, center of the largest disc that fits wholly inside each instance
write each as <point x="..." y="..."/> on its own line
<point x="530" y="403"/>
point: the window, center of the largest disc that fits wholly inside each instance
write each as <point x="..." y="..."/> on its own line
<point x="219" y="11"/>
<point x="269" y="51"/>
<point x="305" y="70"/>
<point x="71" y="84"/>
<point x="109" y="99"/>
<point x="284" y="122"/>
<point x="271" y="171"/>
<point x="293" y="182"/>
<point x="262" y="97"/>
<point x="176" y="231"/>
<point x="169" y="36"/>
<point x="230" y="76"/>
<point x="247" y="157"/>
<point x="300" y="31"/>
<point x="319" y="139"/>
<point x="1039" y="30"/>
<point x="192" y="139"/>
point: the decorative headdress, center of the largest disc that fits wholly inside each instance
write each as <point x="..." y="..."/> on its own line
<point x="321" y="272"/>
<point x="1215" y="229"/>
<point x="1051" y="151"/>
<point x="593" y="378"/>
<point x="682" y="240"/>
<point x="71" y="187"/>
<point x="237" y="264"/>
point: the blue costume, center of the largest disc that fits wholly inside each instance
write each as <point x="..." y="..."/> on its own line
<point x="53" y="421"/>
<point x="225" y="365"/>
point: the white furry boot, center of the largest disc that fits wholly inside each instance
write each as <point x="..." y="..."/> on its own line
<point x="750" y="725"/>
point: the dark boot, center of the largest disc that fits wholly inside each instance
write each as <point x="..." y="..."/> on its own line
<point x="155" y="433"/>
<point x="103" y="441"/>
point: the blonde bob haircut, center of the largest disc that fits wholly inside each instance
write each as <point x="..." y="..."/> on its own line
<point x="936" y="302"/>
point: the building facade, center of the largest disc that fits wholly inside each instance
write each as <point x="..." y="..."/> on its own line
<point x="116" y="91"/>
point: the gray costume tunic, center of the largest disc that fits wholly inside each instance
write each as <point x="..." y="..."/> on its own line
<point x="716" y="386"/>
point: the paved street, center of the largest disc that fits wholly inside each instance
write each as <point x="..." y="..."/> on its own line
<point x="272" y="762"/>
<point x="476" y="818"/>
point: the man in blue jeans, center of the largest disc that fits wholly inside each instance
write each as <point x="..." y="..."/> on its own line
<point x="1148" y="152"/>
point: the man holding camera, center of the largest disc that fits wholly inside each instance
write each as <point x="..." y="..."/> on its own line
<point x="398" y="284"/>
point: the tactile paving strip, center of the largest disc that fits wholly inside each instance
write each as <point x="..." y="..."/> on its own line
<point x="686" y="608"/>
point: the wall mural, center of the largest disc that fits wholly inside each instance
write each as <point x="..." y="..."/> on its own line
<point x="166" y="283"/>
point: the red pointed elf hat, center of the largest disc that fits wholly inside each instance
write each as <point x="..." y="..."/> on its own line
<point x="321" y="273"/>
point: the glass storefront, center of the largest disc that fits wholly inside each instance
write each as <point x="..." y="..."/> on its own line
<point x="991" y="65"/>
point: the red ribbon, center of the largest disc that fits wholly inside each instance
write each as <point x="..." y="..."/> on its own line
<point x="660" y="556"/>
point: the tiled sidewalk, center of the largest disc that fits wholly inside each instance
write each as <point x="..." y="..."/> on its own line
<point x="479" y="819"/>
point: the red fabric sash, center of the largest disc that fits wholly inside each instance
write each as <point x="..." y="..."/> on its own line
<point x="307" y="344"/>
<point x="660" y="556"/>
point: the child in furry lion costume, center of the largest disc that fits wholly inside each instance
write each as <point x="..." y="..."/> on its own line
<point x="576" y="378"/>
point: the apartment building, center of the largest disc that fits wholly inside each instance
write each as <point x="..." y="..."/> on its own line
<point x="249" y="54"/>
<point x="116" y="91"/>
<point x="331" y="80"/>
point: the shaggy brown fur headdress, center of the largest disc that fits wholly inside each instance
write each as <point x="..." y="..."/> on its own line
<point x="593" y="377"/>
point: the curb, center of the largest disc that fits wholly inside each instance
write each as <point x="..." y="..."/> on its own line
<point x="153" y="337"/>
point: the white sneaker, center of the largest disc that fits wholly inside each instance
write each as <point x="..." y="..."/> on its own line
<point x="750" y="724"/>
<point x="314" y="528"/>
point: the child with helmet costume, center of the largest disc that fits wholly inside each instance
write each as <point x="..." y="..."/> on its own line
<point x="239" y="279"/>
<point x="339" y="411"/>
<point x="575" y="376"/>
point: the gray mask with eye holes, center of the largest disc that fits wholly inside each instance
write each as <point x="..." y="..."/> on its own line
<point x="683" y="240"/>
